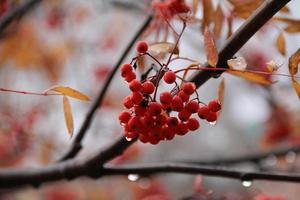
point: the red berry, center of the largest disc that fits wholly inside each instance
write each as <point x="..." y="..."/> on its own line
<point x="184" y="115"/>
<point x="177" y="104"/>
<point x="135" y="85"/>
<point x="211" y="117"/>
<point x="139" y="110"/>
<point x="160" y="120"/>
<point x="137" y="98"/>
<point x="192" y="106"/>
<point x="127" y="102"/>
<point x="182" y="129"/>
<point x="148" y="87"/>
<point x="193" y="124"/>
<point x="189" y="88"/>
<point x="124" y="116"/>
<point x="168" y="133"/>
<point x="142" y="47"/>
<point x="144" y="138"/>
<point x="148" y="121"/>
<point x="169" y="77"/>
<point x="185" y="97"/>
<point x="165" y="97"/>
<point x="125" y="69"/>
<point x="214" y="105"/>
<point x="203" y="111"/>
<point x="154" y="108"/>
<point x="130" y="76"/>
<point x="134" y="124"/>
<point x="172" y="122"/>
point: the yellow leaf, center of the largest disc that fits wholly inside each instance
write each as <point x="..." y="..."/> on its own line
<point x="69" y="92"/>
<point x="294" y="62"/>
<point x="251" y="76"/>
<point x="68" y="115"/>
<point x="221" y="91"/>
<point x="280" y="43"/>
<point x="164" y="47"/>
<point x="210" y="48"/>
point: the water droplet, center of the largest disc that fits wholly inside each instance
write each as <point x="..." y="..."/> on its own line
<point x="144" y="183"/>
<point x="290" y="157"/>
<point x="238" y="63"/>
<point x="128" y="139"/>
<point x="246" y="183"/>
<point x="213" y="123"/>
<point x="133" y="177"/>
<point x="271" y="160"/>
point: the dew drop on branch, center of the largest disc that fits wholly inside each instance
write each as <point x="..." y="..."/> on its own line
<point x="246" y="183"/>
<point x="128" y="139"/>
<point x="290" y="157"/>
<point x="133" y="177"/>
<point x="238" y="63"/>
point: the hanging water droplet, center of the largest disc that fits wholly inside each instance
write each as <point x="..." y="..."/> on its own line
<point x="144" y="183"/>
<point x="213" y="123"/>
<point x="290" y="157"/>
<point x="133" y="177"/>
<point x="271" y="160"/>
<point x="246" y="183"/>
<point x="128" y="139"/>
<point x="238" y="63"/>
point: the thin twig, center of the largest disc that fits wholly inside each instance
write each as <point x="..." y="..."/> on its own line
<point x="76" y="145"/>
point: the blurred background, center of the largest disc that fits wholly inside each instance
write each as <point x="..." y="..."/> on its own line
<point x="77" y="42"/>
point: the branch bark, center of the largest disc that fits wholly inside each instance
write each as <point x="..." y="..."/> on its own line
<point x="149" y="169"/>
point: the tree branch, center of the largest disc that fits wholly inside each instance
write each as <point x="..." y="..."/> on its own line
<point x="149" y="169"/>
<point x="17" y="12"/>
<point x="254" y="158"/>
<point x="260" y="17"/>
<point x="76" y="145"/>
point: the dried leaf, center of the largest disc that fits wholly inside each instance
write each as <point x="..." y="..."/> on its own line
<point x="229" y="21"/>
<point x="296" y="86"/>
<point x="164" y="47"/>
<point x="141" y="62"/>
<point x="293" y="25"/>
<point x="294" y="62"/>
<point x="285" y="9"/>
<point x="244" y="9"/>
<point x="218" y="19"/>
<point x="251" y="76"/>
<point x="195" y="6"/>
<point x="68" y="115"/>
<point x="207" y="13"/>
<point x="69" y="92"/>
<point x="221" y="91"/>
<point x="292" y="29"/>
<point x="210" y="48"/>
<point x="280" y="43"/>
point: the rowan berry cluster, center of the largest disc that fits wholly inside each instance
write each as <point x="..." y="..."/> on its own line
<point x="150" y="120"/>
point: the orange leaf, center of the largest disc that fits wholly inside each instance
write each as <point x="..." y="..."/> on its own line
<point x="195" y="6"/>
<point x="221" y="91"/>
<point x="296" y="86"/>
<point x="164" y="47"/>
<point x="218" y="18"/>
<point x="294" y="62"/>
<point x="210" y="48"/>
<point x="207" y="13"/>
<point x="280" y="43"/>
<point x="68" y="115"/>
<point x="251" y="76"/>
<point x="69" y="92"/>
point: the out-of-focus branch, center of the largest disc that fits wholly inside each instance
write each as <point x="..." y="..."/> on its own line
<point x="16" y="13"/>
<point x="77" y="143"/>
<point x="148" y="169"/>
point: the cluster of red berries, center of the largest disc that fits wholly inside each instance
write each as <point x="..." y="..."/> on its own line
<point x="150" y="120"/>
